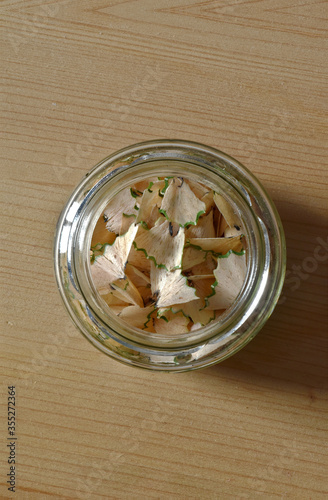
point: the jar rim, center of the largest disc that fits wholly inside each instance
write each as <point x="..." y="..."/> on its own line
<point x="203" y="350"/>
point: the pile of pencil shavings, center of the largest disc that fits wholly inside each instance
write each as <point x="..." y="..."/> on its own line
<point x="167" y="255"/>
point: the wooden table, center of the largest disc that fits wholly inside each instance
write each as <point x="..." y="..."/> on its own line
<point x="247" y="78"/>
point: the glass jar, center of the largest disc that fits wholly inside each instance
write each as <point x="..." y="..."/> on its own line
<point x="266" y="256"/>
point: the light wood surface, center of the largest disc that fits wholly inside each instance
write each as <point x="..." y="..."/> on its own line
<point x="81" y="79"/>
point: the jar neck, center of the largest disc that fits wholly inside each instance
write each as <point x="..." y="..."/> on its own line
<point x="218" y="180"/>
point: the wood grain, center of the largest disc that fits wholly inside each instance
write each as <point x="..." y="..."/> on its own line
<point x="80" y="80"/>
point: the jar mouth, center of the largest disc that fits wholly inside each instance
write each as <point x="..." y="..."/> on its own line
<point x="169" y="167"/>
<point x="265" y="256"/>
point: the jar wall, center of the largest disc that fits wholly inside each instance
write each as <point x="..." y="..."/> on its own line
<point x="265" y="250"/>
